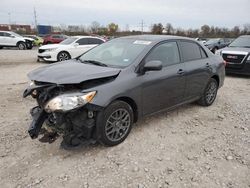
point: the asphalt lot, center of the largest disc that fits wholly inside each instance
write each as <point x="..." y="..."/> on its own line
<point x="191" y="146"/>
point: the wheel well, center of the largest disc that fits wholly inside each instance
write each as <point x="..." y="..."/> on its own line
<point x="20" y="42"/>
<point x="133" y="105"/>
<point x="217" y="79"/>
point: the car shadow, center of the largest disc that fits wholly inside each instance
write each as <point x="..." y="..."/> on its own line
<point x="143" y="123"/>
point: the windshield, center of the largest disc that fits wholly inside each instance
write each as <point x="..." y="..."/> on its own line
<point x="68" y="40"/>
<point x="15" y="34"/>
<point x="241" y="42"/>
<point x="116" y="53"/>
<point x="211" y="41"/>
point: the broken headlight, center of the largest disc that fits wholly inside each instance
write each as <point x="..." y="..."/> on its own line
<point x="70" y="101"/>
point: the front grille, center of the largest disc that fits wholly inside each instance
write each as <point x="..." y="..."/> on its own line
<point x="41" y="50"/>
<point x="232" y="58"/>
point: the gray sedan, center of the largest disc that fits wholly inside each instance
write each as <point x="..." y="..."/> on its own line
<point x="99" y="95"/>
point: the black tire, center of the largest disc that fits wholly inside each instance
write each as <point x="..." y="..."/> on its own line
<point x="21" y="46"/>
<point x="114" y="131"/>
<point x="63" y="56"/>
<point x="209" y="94"/>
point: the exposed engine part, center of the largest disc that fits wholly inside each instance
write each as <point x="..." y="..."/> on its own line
<point x="39" y="117"/>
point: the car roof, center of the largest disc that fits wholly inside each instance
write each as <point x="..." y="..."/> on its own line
<point x="155" y="38"/>
<point x="86" y="36"/>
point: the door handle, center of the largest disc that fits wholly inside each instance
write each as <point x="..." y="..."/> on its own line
<point x="180" y="71"/>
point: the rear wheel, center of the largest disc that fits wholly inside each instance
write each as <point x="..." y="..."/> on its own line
<point x="63" y="56"/>
<point x="116" y="123"/>
<point x="210" y="93"/>
<point x="21" y="45"/>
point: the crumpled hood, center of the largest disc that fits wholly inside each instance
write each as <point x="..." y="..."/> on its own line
<point x="71" y="72"/>
<point x="27" y="38"/>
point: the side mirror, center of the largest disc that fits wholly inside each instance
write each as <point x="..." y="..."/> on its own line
<point x="152" y="66"/>
<point x="76" y="44"/>
<point x="12" y="36"/>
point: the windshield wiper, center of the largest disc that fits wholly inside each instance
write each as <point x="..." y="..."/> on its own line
<point x="94" y="62"/>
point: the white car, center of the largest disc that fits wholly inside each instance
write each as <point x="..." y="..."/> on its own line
<point x="71" y="47"/>
<point x="12" y="39"/>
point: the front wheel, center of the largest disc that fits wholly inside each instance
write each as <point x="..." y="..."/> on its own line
<point x="210" y="93"/>
<point x="63" y="56"/>
<point x="21" y="46"/>
<point x="116" y="123"/>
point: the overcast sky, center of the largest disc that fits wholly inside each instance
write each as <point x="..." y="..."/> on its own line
<point x="181" y="13"/>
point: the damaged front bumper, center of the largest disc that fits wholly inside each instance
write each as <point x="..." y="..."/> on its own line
<point x="77" y="127"/>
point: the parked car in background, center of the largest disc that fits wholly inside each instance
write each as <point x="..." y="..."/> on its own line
<point x="12" y="39"/>
<point x="38" y="41"/>
<point x="54" y="38"/>
<point x="202" y="40"/>
<point x="237" y="55"/>
<point x="99" y="95"/>
<point x="70" y="48"/>
<point x="217" y="43"/>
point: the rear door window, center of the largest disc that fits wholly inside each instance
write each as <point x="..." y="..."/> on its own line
<point x="190" y="51"/>
<point x="94" y="41"/>
<point x="83" y="41"/>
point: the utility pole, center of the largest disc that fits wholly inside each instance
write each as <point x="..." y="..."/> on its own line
<point x="35" y="17"/>
<point x="9" y="14"/>
<point x="142" y="26"/>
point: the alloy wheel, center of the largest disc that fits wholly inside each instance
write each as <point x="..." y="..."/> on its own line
<point x="63" y="56"/>
<point x="117" y="125"/>
<point x="211" y="92"/>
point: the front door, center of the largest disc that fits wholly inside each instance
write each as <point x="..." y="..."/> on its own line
<point x="165" y="88"/>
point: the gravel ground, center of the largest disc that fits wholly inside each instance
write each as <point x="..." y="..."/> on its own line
<point x="191" y="146"/>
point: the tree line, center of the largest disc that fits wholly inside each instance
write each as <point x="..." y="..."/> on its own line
<point x="113" y="29"/>
<point x="205" y="31"/>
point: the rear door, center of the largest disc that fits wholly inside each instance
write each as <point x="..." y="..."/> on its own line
<point x="198" y="70"/>
<point x="164" y="88"/>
